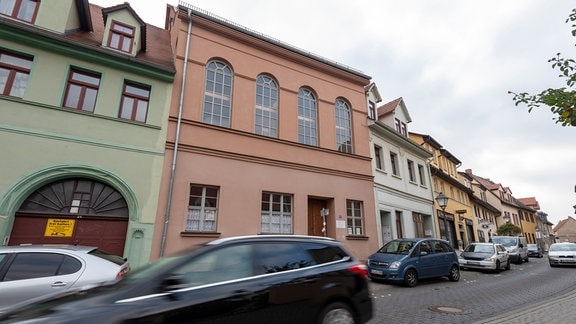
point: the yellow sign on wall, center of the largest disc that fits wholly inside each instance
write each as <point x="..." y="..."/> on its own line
<point x="59" y="227"/>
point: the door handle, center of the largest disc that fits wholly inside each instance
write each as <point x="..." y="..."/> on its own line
<point x="59" y="284"/>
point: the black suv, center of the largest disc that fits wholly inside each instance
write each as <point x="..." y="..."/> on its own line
<point x="252" y="279"/>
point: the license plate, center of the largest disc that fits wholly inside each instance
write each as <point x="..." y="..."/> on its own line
<point x="473" y="262"/>
<point x="376" y="272"/>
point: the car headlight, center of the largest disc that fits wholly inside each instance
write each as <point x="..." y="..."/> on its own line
<point x="395" y="265"/>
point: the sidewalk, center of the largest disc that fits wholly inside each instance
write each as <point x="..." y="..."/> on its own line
<point x="558" y="310"/>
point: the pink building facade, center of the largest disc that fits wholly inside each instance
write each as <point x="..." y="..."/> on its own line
<point x="263" y="138"/>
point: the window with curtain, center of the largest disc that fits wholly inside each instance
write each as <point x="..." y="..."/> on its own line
<point x="276" y="213"/>
<point x="14" y="73"/>
<point x="202" y="209"/>
<point x="135" y="100"/>
<point x="82" y="90"/>
<point x="24" y="10"/>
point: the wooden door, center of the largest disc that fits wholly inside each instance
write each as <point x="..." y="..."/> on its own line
<point x="315" y="221"/>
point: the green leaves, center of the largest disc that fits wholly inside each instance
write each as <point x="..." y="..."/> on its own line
<point x="562" y="101"/>
<point x="509" y="229"/>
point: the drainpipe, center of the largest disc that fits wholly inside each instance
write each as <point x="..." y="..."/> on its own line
<point x="177" y="140"/>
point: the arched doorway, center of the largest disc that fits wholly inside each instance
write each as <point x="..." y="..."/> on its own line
<point x="78" y="211"/>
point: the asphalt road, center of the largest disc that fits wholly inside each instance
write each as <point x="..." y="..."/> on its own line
<point x="477" y="297"/>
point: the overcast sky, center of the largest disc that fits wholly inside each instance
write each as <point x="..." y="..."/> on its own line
<point x="453" y="62"/>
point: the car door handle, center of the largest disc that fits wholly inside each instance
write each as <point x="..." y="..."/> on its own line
<point x="238" y="295"/>
<point x="59" y="284"/>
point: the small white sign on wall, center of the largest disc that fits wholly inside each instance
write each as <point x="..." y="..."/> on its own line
<point x="340" y="224"/>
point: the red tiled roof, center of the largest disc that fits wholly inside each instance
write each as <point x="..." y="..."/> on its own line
<point x="158" y="50"/>
<point x="388" y="107"/>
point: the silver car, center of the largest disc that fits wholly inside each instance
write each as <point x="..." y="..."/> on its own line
<point x="485" y="256"/>
<point x="562" y="254"/>
<point x="30" y="271"/>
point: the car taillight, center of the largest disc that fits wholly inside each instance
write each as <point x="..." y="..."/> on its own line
<point x="122" y="273"/>
<point x="360" y="269"/>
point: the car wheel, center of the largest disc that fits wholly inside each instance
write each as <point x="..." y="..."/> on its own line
<point x="507" y="264"/>
<point x="498" y="266"/>
<point x="454" y="273"/>
<point x="411" y="278"/>
<point x="336" y="313"/>
<point x="527" y="259"/>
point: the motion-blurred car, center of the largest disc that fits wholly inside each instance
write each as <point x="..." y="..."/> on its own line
<point x="484" y="256"/>
<point x="562" y="254"/>
<point x="254" y="279"/>
<point x="534" y="250"/>
<point x="28" y="271"/>
<point x="408" y="260"/>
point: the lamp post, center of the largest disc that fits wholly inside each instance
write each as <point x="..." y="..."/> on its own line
<point x="442" y="201"/>
<point x="506" y="218"/>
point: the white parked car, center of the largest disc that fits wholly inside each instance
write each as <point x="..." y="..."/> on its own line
<point x="485" y="256"/>
<point x="29" y="271"/>
<point x="562" y="254"/>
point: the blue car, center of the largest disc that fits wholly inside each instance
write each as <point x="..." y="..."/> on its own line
<point x="407" y="260"/>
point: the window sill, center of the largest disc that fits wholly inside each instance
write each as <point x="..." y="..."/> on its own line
<point x="357" y="237"/>
<point x="200" y="234"/>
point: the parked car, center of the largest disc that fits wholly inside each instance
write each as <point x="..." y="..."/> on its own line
<point x="28" y="271"/>
<point x="516" y="247"/>
<point x="484" y="256"/>
<point x="534" y="250"/>
<point x="408" y="260"/>
<point x="562" y="254"/>
<point x="253" y="279"/>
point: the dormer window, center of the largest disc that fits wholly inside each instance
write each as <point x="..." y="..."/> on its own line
<point x="121" y="37"/>
<point x="401" y="127"/>
<point x="24" y="10"/>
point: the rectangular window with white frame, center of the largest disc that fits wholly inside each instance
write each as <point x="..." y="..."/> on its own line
<point x="202" y="209"/>
<point x="355" y="220"/>
<point x="276" y="213"/>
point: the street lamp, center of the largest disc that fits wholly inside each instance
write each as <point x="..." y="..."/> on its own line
<point x="506" y="218"/>
<point x="442" y="201"/>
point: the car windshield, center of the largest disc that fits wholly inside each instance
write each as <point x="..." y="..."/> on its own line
<point x="480" y="248"/>
<point x="506" y="241"/>
<point x="532" y="247"/>
<point x="397" y="247"/>
<point x="563" y="247"/>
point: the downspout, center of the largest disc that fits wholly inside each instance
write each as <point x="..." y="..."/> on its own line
<point x="177" y="140"/>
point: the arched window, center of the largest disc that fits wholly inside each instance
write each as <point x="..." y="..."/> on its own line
<point x="343" y="126"/>
<point x="266" y="106"/>
<point x="307" y="117"/>
<point x="218" y="94"/>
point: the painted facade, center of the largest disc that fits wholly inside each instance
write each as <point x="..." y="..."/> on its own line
<point x="456" y="221"/>
<point x="402" y="183"/>
<point x="565" y="230"/>
<point x="486" y="207"/>
<point x="263" y="138"/>
<point x="84" y="108"/>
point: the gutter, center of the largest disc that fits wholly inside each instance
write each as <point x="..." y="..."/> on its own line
<point x="176" y="141"/>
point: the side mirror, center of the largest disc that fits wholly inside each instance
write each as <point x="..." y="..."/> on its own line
<point x="172" y="282"/>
